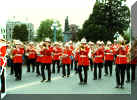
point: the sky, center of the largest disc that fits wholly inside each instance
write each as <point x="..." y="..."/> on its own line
<point x="35" y="11"/>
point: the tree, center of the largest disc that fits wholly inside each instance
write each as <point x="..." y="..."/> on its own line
<point x="20" y="32"/>
<point x="45" y="30"/>
<point x="108" y="17"/>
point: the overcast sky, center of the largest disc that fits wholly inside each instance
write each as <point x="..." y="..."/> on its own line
<point x="38" y="10"/>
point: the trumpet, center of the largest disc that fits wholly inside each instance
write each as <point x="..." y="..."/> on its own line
<point x="81" y="47"/>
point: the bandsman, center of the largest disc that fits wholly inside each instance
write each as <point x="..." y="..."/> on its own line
<point x="31" y="56"/>
<point x="121" y="62"/>
<point x="17" y="54"/>
<point x="56" y="57"/>
<point x="98" y="57"/>
<point x="109" y="58"/>
<point x="83" y="61"/>
<point x="2" y="62"/>
<point x="46" y="60"/>
<point x="66" y="60"/>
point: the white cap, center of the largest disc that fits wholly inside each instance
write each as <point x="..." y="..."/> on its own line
<point x="70" y="41"/>
<point x="31" y="43"/>
<point x="83" y="40"/>
<point x="66" y="45"/>
<point x="56" y="43"/>
<point x="41" y="43"/>
<point x="109" y="42"/>
<point x="90" y="42"/>
<point x="102" y="42"/>
<point x="98" y="42"/>
<point x="47" y="40"/>
<point x="18" y="42"/>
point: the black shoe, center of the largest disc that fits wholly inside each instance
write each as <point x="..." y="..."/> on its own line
<point x="122" y="87"/>
<point x="99" y="78"/>
<point x="127" y="81"/>
<point x="67" y="75"/>
<point x="53" y="72"/>
<point x="48" y="81"/>
<point x="11" y="73"/>
<point x="63" y="76"/>
<point x="117" y="86"/>
<point x="106" y="75"/>
<point x="95" y="79"/>
<point x="16" y="79"/>
<point x="85" y="83"/>
<point x="80" y="83"/>
<point x="42" y="80"/>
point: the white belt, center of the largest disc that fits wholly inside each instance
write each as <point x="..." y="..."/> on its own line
<point x="121" y="55"/>
<point x="83" y="56"/>
<point x="18" y="55"/>
<point x="98" y="56"/>
<point x="108" y="53"/>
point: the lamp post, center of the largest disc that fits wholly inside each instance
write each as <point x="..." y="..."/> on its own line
<point x="54" y="28"/>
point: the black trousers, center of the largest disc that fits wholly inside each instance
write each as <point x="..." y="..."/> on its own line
<point x="91" y="64"/>
<point x="12" y="70"/>
<point x="64" y="69"/>
<point x="58" y="66"/>
<point x="85" y="68"/>
<point x="18" y="70"/>
<point x="37" y="68"/>
<point x="48" y="67"/>
<point x="108" y="64"/>
<point x="120" y="74"/>
<point x="2" y="81"/>
<point x="29" y="62"/>
<point x="99" y="66"/>
<point x="72" y="64"/>
<point x="131" y="67"/>
<point x="76" y="67"/>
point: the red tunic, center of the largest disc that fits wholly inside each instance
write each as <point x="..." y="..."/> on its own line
<point x="109" y="54"/>
<point x="57" y="53"/>
<point x="121" y="56"/>
<point x="39" y="57"/>
<point x="83" y="59"/>
<point x="76" y="55"/>
<point x="31" y="54"/>
<point x="66" y="59"/>
<point x="98" y="56"/>
<point x="17" y="55"/>
<point x="2" y="54"/>
<point x="47" y="58"/>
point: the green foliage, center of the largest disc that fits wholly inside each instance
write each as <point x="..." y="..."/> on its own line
<point x="107" y="18"/>
<point x="20" y="32"/>
<point x="45" y="30"/>
<point x="127" y="37"/>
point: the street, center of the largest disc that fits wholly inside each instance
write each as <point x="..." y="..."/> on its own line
<point x="30" y="84"/>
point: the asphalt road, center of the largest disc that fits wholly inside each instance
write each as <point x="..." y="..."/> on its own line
<point x="30" y="84"/>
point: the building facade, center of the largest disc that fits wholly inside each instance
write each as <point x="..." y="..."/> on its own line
<point x="134" y="21"/>
<point x="10" y="27"/>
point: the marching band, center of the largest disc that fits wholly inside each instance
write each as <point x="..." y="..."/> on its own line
<point x="83" y="54"/>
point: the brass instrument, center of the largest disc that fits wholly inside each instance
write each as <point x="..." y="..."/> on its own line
<point x="81" y="47"/>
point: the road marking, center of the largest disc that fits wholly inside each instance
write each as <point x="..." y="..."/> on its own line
<point x="34" y="83"/>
